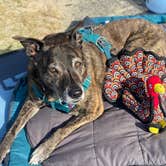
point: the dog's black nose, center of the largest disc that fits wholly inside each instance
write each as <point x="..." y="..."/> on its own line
<point x="75" y="92"/>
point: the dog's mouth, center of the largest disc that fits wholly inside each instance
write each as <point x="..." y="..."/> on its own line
<point x="69" y="96"/>
<point x="73" y="96"/>
<point x="69" y="100"/>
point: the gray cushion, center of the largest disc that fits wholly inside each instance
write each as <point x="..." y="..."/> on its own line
<point x="115" y="139"/>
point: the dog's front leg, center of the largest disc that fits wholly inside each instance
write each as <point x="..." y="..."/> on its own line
<point x="94" y="108"/>
<point x="28" y="110"/>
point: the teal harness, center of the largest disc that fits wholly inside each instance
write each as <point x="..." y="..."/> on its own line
<point x="102" y="44"/>
<point x="87" y="36"/>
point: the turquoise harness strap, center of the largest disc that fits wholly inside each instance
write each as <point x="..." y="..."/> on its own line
<point x="89" y="36"/>
<point x="86" y="82"/>
<point x="59" y="104"/>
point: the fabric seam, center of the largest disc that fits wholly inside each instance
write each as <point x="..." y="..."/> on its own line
<point x="141" y="150"/>
<point x="94" y="147"/>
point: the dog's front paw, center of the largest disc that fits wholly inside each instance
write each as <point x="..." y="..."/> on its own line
<point x="4" y="150"/>
<point x="39" y="155"/>
<point x="5" y="146"/>
<point x="44" y="151"/>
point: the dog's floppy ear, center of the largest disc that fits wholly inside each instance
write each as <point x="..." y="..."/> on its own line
<point x="31" y="45"/>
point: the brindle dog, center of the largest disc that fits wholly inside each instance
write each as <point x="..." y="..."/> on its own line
<point x="58" y="65"/>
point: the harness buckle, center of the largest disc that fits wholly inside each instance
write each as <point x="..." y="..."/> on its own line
<point x="89" y="36"/>
<point x="101" y="42"/>
<point x="89" y="27"/>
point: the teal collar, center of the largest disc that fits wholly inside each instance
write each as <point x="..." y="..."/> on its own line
<point x="59" y="104"/>
<point x="89" y="36"/>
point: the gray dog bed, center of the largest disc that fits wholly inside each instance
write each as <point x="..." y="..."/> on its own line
<point x="115" y="139"/>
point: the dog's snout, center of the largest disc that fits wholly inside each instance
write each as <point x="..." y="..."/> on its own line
<point x="75" y="92"/>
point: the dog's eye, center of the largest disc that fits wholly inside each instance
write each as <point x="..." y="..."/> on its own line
<point x="53" y="69"/>
<point x="77" y="64"/>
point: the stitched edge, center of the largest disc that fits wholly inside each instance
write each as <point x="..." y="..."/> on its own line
<point x="139" y="143"/>
<point x="94" y="146"/>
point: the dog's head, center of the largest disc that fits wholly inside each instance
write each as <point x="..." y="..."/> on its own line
<point x="57" y="66"/>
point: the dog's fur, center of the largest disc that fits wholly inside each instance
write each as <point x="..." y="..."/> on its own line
<point x="58" y="65"/>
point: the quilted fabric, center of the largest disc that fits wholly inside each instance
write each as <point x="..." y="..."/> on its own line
<point x="115" y="139"/>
